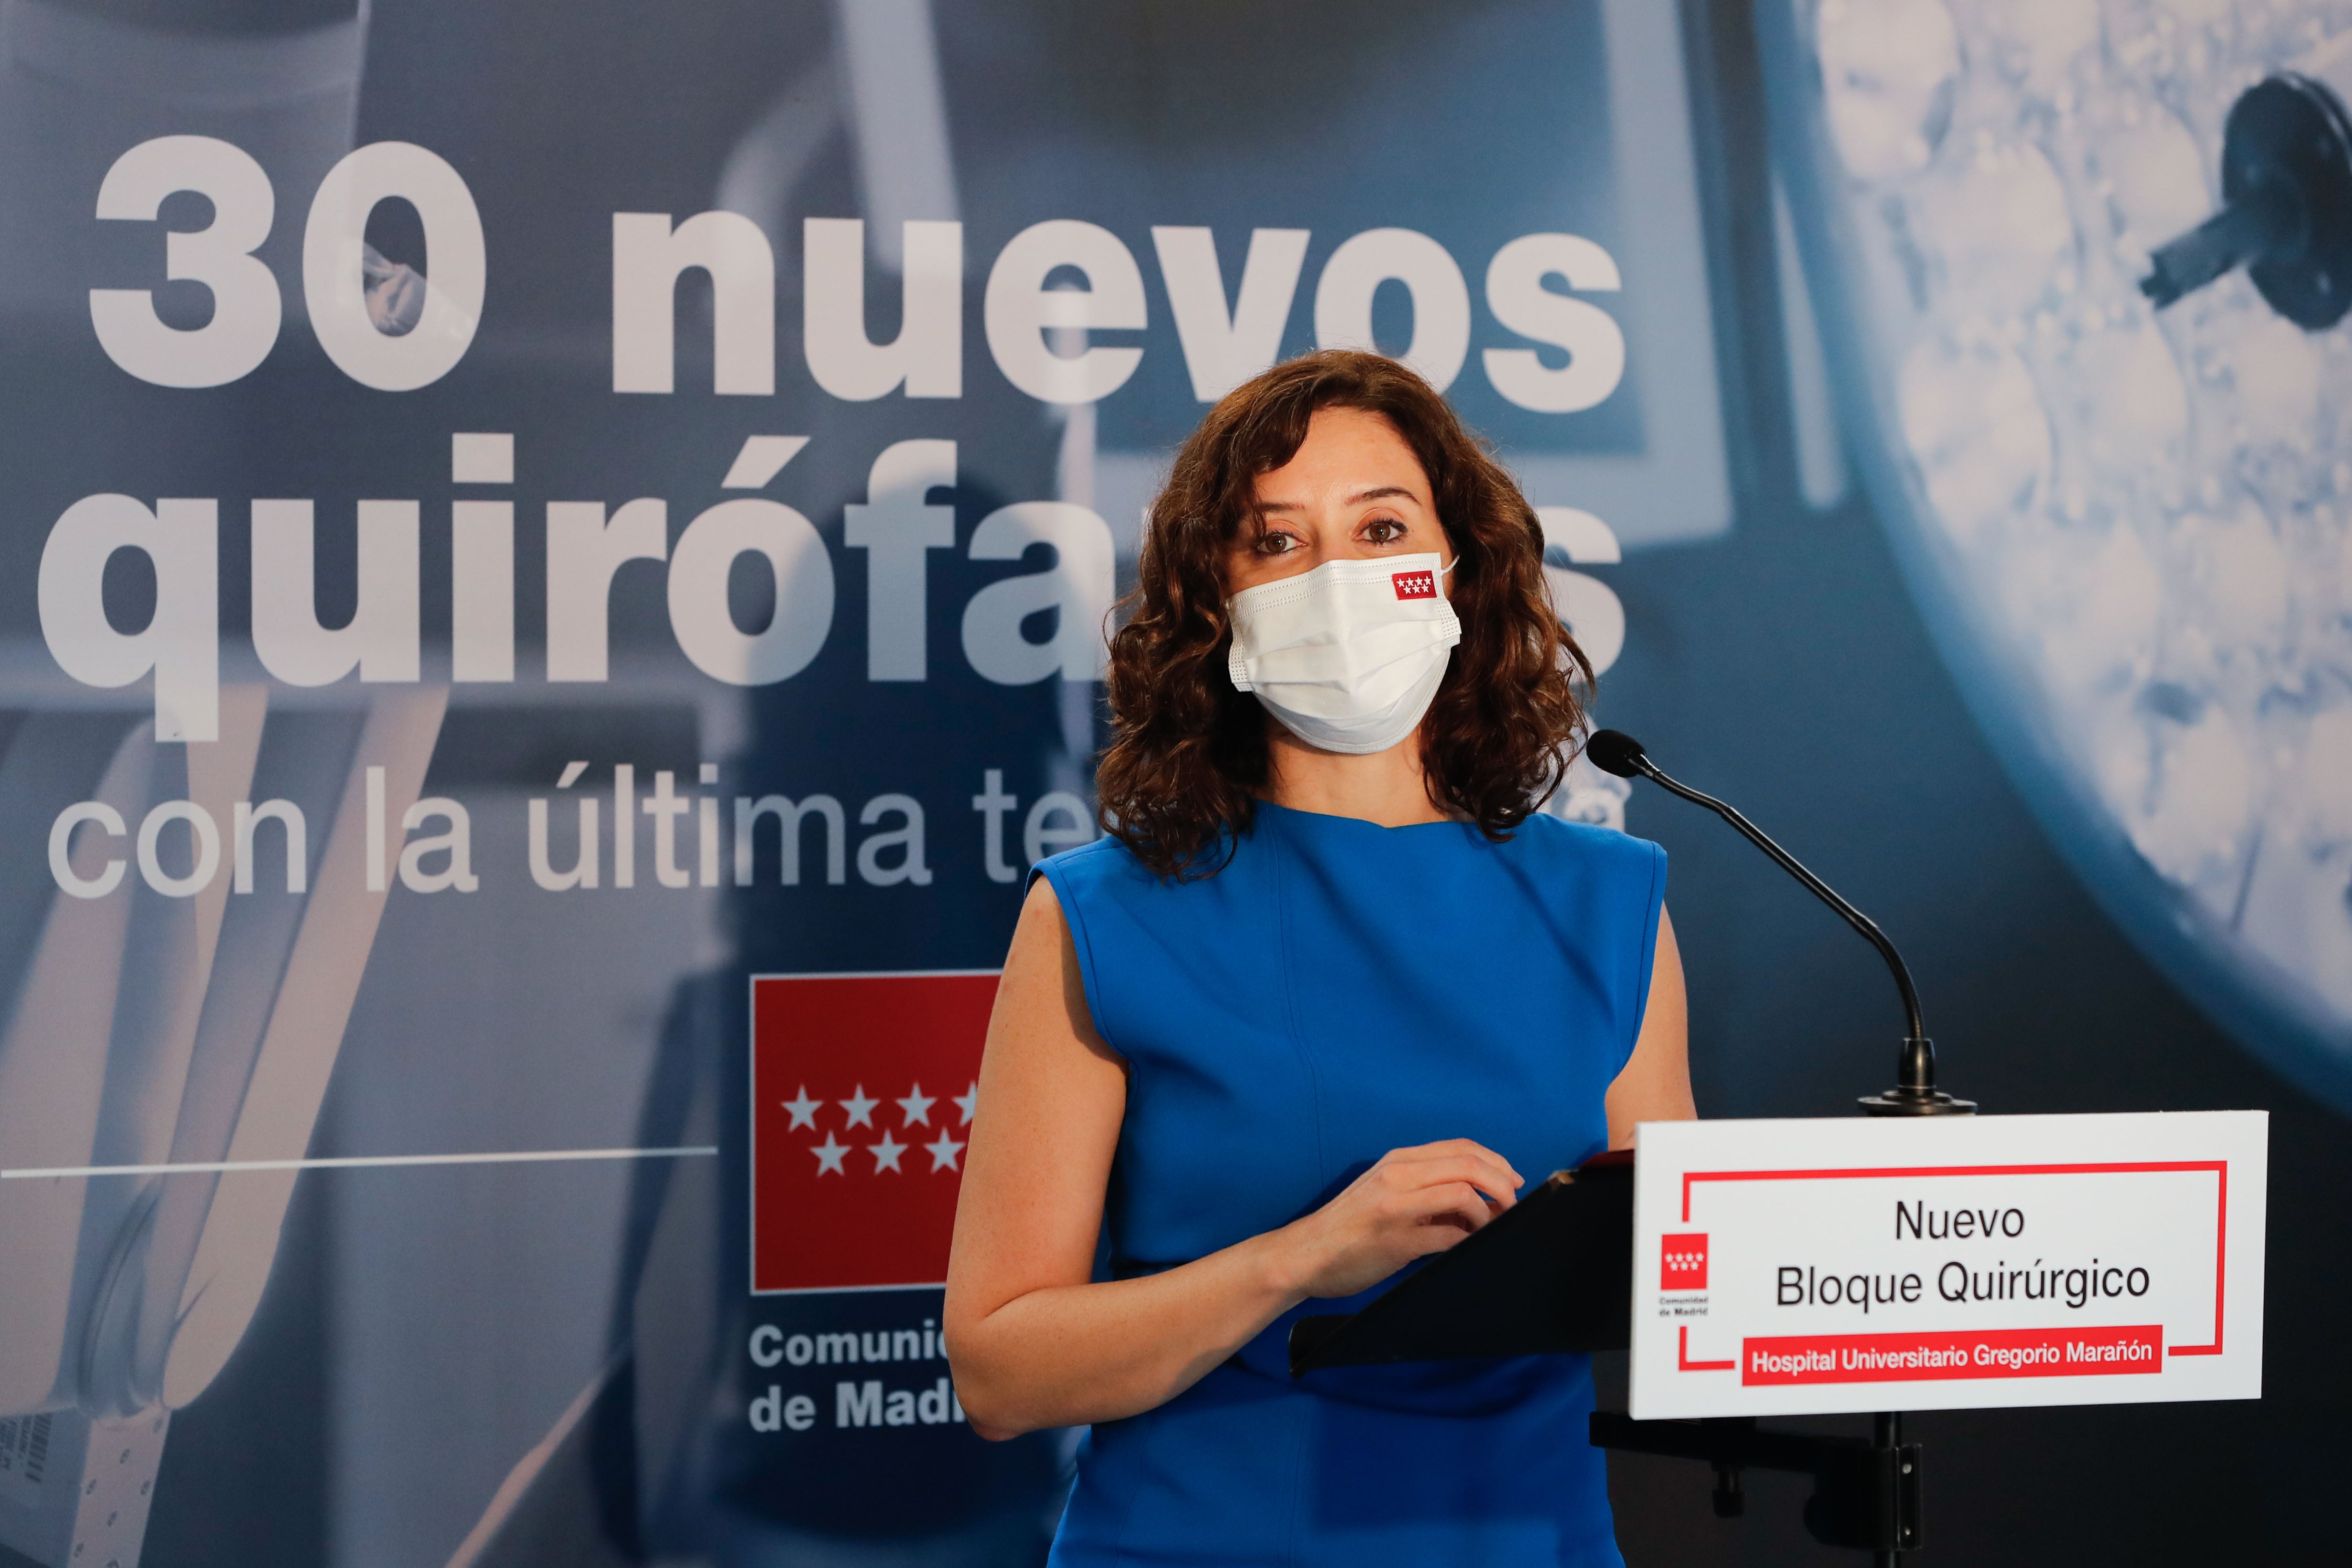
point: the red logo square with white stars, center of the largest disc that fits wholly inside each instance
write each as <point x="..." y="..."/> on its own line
<point x="1415" y="585"/>
<point x="861" y="1094"/>
<point x="1684" y="1265"/>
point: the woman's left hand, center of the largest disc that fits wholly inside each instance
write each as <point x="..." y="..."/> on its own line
<point x="1410" y="1203"/>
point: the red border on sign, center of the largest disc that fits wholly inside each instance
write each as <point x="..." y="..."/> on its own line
<point x="2221" y="1168"/>
<point x="1687" y="1364"/>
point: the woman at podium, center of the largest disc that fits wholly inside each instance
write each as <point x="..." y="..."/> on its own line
<point x="1331" y="991"/>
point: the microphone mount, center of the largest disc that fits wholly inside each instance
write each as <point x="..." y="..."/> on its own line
<point x="1914" y="1093"/>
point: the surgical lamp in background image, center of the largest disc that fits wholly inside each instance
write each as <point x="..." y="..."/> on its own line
<point x="2100" y="419"/>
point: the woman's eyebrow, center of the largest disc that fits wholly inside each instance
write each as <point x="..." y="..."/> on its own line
<point x="1379" y="492"/>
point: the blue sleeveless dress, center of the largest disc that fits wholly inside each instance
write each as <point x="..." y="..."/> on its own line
<point x="1339" y="990"/>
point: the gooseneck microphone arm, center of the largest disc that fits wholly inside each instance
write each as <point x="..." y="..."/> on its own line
<point x="1614" y="751"/>
<point x="1820" y="889"/>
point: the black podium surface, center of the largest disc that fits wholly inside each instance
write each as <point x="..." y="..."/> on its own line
<point x="1551" y="1274"/>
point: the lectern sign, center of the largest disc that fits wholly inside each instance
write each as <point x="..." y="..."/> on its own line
<point x="1790" y="1267"/>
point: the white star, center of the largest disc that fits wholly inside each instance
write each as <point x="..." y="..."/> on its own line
<point x="886" y="1153"/>
<point x="965" y="1101"/>
<point x="828" y="1156"/>
<point x="943" y="1153"/>
<point x="860" y="1109"/>
<point x="803" y="1109"/>
<point x="918" y="1106"/>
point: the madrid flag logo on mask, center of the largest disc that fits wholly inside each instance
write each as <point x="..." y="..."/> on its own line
<point x="861" y="1094"/>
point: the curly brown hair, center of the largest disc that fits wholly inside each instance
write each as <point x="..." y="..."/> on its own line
<point x="1188" y="752"/>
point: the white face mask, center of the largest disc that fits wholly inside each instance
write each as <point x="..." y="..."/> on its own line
<point x="1348" y="656"/>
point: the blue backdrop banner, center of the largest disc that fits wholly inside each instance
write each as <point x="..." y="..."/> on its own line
<point x="553" y="582"/>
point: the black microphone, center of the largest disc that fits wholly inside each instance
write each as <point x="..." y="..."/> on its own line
<point x="1915" y="1093"/>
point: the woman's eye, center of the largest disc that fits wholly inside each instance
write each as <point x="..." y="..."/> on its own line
<point x="1276" y="544"/>
<point x="1384" y="530"/>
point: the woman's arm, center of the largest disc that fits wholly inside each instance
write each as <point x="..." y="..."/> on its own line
<point x="1655" y="1083"/>
<point x="1031" y="1341"/>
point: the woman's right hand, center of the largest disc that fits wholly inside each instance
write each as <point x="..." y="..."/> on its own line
<point x="1410" y="1203"/>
